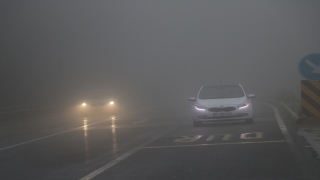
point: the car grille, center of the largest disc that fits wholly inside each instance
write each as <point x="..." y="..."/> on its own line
<point x="222" y="117"/>
<point x="97" y="104"/>
<point x="224" y="109"/>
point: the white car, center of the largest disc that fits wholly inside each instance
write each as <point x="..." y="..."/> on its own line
<point x="222" y="103"/>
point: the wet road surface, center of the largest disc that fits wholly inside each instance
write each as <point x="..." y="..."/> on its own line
<point x="157" y="144"/>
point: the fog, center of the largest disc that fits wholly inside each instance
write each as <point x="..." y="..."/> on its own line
<point x="152" y="50"/>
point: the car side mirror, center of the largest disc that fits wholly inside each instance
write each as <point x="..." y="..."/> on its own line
<point x="192" y="99"/>
<point x="251" y="96"/>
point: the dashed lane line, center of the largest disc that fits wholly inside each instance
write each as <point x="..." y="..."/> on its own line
<point x="44" y="137"/>
<point x="70" y="130"/>
<point x="127" y="154"/>
<point x="88" y="127"/>
<point x="281" y="124"/>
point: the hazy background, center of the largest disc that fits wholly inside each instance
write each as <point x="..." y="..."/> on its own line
<point x="152" y="50"/>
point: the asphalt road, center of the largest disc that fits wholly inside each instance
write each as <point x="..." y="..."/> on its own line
<point x="157" y="143"/>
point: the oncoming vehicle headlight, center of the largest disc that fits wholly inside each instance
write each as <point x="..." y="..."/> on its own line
<point x="84" y="104"/>
<point x="199" y="107"/>
<point x="244" y="105"/>
<point x="111" y="102"/>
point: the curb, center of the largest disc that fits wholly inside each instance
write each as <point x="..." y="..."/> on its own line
<point x="311" y="138"/>
<point x="293" y="114"/>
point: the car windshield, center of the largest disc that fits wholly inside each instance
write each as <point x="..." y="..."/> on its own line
<point x="100" y="94"/>
<point x="220" y="92"/>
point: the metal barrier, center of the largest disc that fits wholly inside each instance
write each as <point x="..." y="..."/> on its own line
<point x="310" y="98"/>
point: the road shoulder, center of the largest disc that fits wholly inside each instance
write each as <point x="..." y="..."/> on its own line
<point x="309" y="128"/>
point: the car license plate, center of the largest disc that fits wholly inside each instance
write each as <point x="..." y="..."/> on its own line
<point x="221" y="114"/>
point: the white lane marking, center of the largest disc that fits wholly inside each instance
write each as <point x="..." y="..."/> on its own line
<point x="117" y="126"/>
<point x="225" y="137"/>
<point x="124" y="156"/>
<point x="63" y="132"/>
<point x="217" y="144"/>
<point x="295" y="115"/>
<point x="257" y="135"/>
<point x="210" y="138"/>
<point x="188" y="139"/>
<point x="44" y="137"/>
<point x="281" y="124"/>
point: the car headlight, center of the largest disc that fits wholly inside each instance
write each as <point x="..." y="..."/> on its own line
<point x="111" y="102"/>
<point x="244" y="105"/>
<point x="199" y="107"/>
<point x="84" y="104"/>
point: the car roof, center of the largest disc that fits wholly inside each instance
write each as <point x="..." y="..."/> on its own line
<point x="221" y="85"/>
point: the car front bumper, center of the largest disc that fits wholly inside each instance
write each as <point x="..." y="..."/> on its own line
<point x="207" y="116"/>
<point x="99" y="109"/>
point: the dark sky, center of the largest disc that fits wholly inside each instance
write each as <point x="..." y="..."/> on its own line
<point x="55" y="50"/>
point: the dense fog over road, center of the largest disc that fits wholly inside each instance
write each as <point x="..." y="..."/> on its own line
<point x="154" y="50"/>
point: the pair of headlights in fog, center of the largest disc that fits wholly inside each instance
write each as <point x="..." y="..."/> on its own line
<point x="111" y="103"/>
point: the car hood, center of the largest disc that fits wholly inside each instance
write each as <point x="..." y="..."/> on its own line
<point x="219" y="102"/>
<point x="94" y="101"/>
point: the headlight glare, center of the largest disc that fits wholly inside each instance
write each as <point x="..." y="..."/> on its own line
<point x="244" y="105"/>
<point x="199" y="107"/>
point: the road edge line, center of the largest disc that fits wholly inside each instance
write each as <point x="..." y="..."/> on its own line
<point x="302" y="164"/>
<point x="293" y="114"/>
<point x="281" y="124"/>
